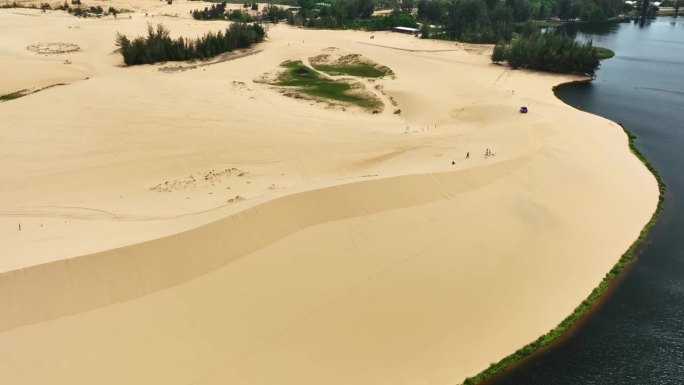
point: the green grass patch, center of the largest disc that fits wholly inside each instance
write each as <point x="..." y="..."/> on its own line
<point x="361" y="69"/>
<point x="21" y="93"/>
<point x="13" y="95"/>
<point x="604" y="53"/>
<point x="586" y="305"/>
<point x="309" y="82"/>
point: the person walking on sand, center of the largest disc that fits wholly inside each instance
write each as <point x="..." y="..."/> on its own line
<point x="467" y="154"/>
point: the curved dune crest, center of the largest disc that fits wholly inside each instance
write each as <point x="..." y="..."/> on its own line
<point x="74" y="285"/>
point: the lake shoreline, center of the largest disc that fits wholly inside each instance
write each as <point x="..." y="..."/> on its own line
<point x="598" y="295"/>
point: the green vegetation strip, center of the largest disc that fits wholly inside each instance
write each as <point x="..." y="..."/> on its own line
<point x="365" y="70"/>
<point x="309" y="82"/>
<point x="586" y="305"/>
<point x="13" y="95"/>
<point x="604" y="53"/>
<point x="21" y="93"/>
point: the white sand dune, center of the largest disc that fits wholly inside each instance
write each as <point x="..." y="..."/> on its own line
<point x="196" y="227"/>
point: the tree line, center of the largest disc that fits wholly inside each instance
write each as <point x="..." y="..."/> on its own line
<point x="477" y="21"/>
<point x="218" y="12"/>
<point x="158" y="46"/>
<point x="77" y="11"/>
<point x="344" y="14"/>
<point x="548" y="52"/>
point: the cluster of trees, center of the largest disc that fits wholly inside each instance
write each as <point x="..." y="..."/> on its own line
<point x="252" y="6"/>
<point x="218" y="12"/>
<point x="645" y="10"/>
<point x="523" y="10"/>
<point x="158" y="46"/>
<point x="85" y="12"/>
<point x="90" y="11"/>
<point x="274" y="13"/>
<point x="395" y="19"/>
<point x="488" y="21"/>
<point x="593" y="10"/>
<point x="478" y="21"/>
<point x="331" y="13"/>
<point x="330" y="21"/>
<point x="270" y="13"/>
<point x="238" y="15"/>
<point x="548" y="52"/>
<point x="215" y="12"/>
<point x="76" y="11"/>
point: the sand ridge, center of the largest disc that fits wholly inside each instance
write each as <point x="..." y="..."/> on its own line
<point x="196" y="227"/>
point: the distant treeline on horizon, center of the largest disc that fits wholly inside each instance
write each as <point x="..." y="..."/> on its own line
<point x="476" y="21"/>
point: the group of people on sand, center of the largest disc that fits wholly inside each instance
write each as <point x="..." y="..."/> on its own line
<point x="487" y="154"/>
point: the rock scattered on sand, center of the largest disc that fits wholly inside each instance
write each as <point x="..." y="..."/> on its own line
<point x="202" y="179"/>
<point x="53" y="48"/>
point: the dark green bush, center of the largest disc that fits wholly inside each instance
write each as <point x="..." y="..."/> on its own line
<point x="238" y="15"/>
<point x="215" y="12"/>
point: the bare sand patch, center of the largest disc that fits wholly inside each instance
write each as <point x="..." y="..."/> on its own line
<point x="228" y="56"/>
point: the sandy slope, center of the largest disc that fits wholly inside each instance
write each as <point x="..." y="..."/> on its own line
<point x="284" y="242"/>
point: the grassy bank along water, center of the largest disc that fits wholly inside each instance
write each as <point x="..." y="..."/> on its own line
<point x="583" y="308"/>
<point x="604" y="53"/>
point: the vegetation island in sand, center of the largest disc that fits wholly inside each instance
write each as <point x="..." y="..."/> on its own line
<point x="329" y="80"/>
<point x="190" y="225"/>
